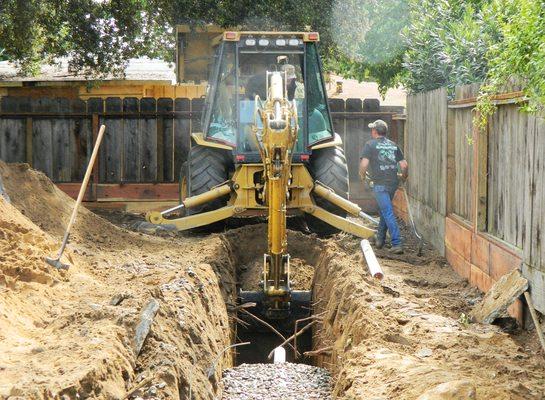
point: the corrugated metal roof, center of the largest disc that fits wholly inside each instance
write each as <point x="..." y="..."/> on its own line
<point x="141" y="69"/>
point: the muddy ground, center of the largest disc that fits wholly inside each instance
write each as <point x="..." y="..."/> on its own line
<point x="71" y="334"/>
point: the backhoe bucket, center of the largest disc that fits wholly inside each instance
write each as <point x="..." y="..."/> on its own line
<point x="299" y="307"/>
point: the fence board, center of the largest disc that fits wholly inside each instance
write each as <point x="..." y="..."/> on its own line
<point x="537" y="252"/>
<point x="167" y="133"/>
<point x="182" y="134"/>
<point x="63" y="143"/>
<point x="111" y="154"/>
<point x="426" y="152"/>
<point x="131" y="144"/>
<point x="12" y="134"/>
<point x="338" y="105"/>
<point x="356" y="135"/>
<point x="508" y="139"/>
<point x="147" y="132"/>
<point x="464" y="158"/>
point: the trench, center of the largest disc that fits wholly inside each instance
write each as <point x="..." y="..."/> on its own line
<point x="247" y="246"/>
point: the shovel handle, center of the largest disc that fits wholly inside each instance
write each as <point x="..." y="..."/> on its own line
<point x="83" y="187"/>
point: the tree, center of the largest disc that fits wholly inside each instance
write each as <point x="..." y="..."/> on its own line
<point x="100" y="36"/>
<point x="447" y="43"/>
<point x="519" y="58"/>
<point x="366" y="40"/>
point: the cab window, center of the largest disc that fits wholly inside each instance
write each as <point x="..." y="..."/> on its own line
<point x="222" y="122"/>
<point x="319" y="124"/>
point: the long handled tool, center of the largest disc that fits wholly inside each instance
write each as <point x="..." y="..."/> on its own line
<point x="56" y="262"/>
<point x="413" y="226"/>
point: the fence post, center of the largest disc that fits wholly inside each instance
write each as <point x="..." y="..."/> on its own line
<point x="28" y="140"/>
<point x="481" y="174"/>
<point x="94" y="183"/>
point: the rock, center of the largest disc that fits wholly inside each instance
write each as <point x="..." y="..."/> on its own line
<point x="500" y="296"/>
<point x="146" y="320"/>
<point x="454" y="390"/>
<point x="276" y="381"/>
<point x="397" y="338"/>
<point x="3" y="193"/>
<point x="425" y="352"/>
<point x="118" y="298"/>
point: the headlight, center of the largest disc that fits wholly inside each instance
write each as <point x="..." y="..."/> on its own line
<point x="263" y="42"/>
<point x="250" y="42"/>
<point x="280" y="42"/>
<point x="293" y="42"/>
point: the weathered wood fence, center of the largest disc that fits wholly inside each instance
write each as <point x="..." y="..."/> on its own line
<point x="479" y="194"/>
<point x="146" y="140"/>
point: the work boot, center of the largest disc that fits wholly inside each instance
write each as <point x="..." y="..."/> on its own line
<point x="377" y="242"/>
<point x="397" y="249"/>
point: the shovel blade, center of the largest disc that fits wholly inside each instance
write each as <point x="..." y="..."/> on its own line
<point x="56" y="262"/>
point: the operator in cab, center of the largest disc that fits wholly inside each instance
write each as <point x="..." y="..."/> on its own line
<point x="382" y="157"/>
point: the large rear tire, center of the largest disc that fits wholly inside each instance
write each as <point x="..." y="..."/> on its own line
<point x="329" y="167"/>
<point x="204" y="169"/>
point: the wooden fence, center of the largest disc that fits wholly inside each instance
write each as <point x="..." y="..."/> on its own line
<point x="146" y="141"/>
<point x="490" y="189"/>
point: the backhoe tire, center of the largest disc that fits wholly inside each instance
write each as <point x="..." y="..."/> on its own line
<point x="204" y="169"/>
<point x="329" y="167"/>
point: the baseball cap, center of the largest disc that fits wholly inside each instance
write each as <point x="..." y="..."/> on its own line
<point x="380" y="126"/>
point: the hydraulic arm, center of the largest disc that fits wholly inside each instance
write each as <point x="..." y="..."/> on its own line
<point x="276" y="140"/>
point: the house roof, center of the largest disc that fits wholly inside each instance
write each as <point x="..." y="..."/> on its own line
<point x="365" y="90"/>
<point x="137" y="70"/>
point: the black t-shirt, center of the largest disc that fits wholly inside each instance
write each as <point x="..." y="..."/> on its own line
<point x="383" y="156"/>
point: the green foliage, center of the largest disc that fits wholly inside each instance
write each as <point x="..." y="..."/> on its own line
<point x="447" y="42"/>
<point x="518" y="60"/>
<point x="423" y="44"/>
<point x="98" y="36"/>
<point x="366" y="40"/>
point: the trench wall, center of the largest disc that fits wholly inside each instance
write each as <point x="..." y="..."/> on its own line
<point x="478" y="194"/>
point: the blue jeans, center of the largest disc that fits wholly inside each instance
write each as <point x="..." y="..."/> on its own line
<point x="384" y="196"/>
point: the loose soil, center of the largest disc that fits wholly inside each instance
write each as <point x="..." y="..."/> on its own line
<point x="71" y="333"/>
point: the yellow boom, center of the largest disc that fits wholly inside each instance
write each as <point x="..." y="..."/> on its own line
<point x="276" y="140"/>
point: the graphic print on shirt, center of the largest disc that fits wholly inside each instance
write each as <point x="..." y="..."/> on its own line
<point x="387" y="155"/>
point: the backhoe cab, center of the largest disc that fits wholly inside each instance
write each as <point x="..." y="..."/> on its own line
<point x="267" y="149"/>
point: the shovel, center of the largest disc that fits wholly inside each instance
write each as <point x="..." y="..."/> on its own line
<point x="56" y="262"/>
<point x="413" y="226"/>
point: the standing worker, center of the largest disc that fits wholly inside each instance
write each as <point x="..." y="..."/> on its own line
<point x="381" y="156"/>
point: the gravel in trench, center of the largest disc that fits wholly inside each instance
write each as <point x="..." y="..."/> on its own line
<point x="276" y="381"/>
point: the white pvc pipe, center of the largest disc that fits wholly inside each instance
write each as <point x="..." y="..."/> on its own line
<point x="279" y="355"/>
<point x="371" y="259"/>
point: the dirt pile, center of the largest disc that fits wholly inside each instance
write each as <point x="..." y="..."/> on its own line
<point x="72" y="333"/>
<point x="248" y="245"/>
<point x="403" y="338"/>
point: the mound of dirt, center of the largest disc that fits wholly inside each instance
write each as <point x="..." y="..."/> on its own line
<point x="403" y="337"/>
<point x="23" y="248"/>
<point x="249" y="243"/>
<point x="73" y="333"/>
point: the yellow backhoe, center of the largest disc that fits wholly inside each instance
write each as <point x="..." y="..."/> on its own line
<point x="267" y="149"/>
